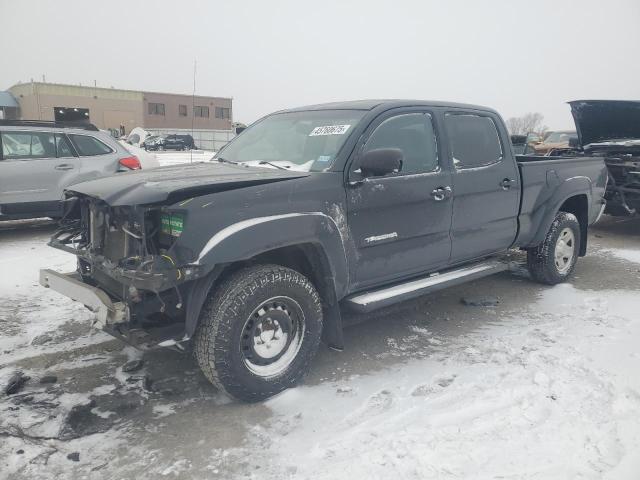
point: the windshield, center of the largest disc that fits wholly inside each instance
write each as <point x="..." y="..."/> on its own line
<point x="560" y="137"/>
<point x="306" y="141"/>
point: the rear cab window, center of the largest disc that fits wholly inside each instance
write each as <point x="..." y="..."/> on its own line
<point x="88" y="146"/>
<point x="473" y="140"/>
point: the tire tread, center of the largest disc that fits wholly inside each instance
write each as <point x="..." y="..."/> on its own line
<point x="540" y="259"/>
<point x="216" y="321"/>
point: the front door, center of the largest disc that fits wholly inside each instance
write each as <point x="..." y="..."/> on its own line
<point x="486" y="186"/>
<point x="400" y="223"/>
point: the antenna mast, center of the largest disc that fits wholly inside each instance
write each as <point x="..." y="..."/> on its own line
<point x="193" y="105"/>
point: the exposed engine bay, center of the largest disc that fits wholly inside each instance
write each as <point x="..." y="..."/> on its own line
<point x="623" y="189"/>
<point x="127" y="252"/>
<point x="623" y="186"/>
<point x="611" y="129"/>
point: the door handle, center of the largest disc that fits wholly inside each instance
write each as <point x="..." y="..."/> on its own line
<point x="441" y="193"/>
<point x="506" y="183"/>
<point x="64" y="166"/>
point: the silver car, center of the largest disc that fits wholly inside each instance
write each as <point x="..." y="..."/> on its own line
<point x="38" y="160"/>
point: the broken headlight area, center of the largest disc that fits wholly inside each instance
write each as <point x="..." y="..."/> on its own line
<point x="132" y="245"/>
<point x="130" y="254"/>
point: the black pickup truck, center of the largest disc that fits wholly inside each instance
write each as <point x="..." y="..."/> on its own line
<point x="357" y="205"/>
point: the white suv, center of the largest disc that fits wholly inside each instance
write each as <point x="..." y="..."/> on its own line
<point x="38" y="160"/>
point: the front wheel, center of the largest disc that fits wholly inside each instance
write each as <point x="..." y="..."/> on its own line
<point x="554" y="260"/>
<point x="259" y="331"/>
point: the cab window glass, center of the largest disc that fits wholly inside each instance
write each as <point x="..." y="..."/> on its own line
<point x="24" y="145"/>
<point x="87" y="146"/>
<point x="413" y="134"/>
<point x="473" y="140"/>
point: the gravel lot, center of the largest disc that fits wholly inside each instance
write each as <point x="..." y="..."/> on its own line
<point x="542" y="383"/>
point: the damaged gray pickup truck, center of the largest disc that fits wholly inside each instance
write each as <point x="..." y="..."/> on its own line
<point x="611" y="129"/>
<point x="309" y="212"/>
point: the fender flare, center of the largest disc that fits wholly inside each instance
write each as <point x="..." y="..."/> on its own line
<point x="247" y="238"/>
<point x="571" y="187"/>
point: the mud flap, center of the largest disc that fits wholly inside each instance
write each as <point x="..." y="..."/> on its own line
<point x="332" y="333"/>
<point x="196" y="297"/>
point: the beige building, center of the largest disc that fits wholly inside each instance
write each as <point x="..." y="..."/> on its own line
<point x="110" y="108"/>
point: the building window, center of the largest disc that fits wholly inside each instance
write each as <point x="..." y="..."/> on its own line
<point x="202" y="112"/>
<point x="156" y="109"/>
<point x="224" y="113"/>
<point x="182" y="110"/>
<point x="71" y="114"/>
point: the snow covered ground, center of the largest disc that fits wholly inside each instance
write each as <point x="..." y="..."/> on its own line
<point x="542" y="385"/>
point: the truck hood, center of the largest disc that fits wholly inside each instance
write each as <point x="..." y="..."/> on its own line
<point x="174" y="183"/>
<point x="606" y="120"/>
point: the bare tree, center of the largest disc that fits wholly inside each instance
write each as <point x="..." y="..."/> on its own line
<point x="528" y="123"/>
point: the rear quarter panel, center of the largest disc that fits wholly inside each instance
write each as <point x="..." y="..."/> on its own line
<point x="547" y="184"/>
<point x="99" y="166"/>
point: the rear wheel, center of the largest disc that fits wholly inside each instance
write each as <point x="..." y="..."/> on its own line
<point x="259" y="331"/>
<point x="554" y="260"/>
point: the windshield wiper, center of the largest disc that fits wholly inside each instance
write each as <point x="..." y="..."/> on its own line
<point x="224" y="160"/>
<point x="264" y="162"/>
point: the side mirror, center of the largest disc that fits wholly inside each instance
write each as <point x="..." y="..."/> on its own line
<point x="380" y="162"/>
<point x="574" y="142"/>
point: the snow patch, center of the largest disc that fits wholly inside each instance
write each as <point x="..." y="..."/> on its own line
<point x="624" y="254"/>
<point x="541" y="394"/>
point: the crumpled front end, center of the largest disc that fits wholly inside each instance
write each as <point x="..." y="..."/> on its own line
<point x="130" y="257"/>
<point x="623" y="189"/>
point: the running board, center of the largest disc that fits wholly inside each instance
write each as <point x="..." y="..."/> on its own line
<point x="374" y="299"/>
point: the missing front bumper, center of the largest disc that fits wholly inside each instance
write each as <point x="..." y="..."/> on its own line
<point x="97" y="300"/>
<point x="113" y="317"/>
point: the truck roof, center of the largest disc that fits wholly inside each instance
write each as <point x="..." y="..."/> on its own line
<point x="385" y="104"/>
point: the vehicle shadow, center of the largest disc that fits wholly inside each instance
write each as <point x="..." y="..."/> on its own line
<point x="617" y="225"/>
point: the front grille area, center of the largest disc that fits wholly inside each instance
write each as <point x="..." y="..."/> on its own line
<point x="115" y="245"/>
<point x="624" y="171"/>
<point x="622" y="175"/>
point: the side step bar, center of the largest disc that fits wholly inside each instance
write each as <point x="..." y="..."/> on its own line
<point x="374" y="299"/>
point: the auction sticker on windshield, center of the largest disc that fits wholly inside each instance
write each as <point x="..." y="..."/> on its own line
<point x="329" y="130"/>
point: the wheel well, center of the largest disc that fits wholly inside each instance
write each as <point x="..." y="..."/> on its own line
<point x="310" y="260"/>
<point x="579" y="206"/>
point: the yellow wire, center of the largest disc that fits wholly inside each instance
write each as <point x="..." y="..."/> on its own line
<point x="174" y="265"/>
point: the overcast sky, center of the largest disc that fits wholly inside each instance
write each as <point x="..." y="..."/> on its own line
<point x="515" y="56"/>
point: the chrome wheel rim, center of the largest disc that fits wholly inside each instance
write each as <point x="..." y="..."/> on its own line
<point x="565" y="250"/>
<point x="272" y="336"/>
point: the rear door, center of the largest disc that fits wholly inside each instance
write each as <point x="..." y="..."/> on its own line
<point x="485" y="184"/>
<point x="33" y="166"/>
<point x="400" y="223"/>
<point x="96" y="157"/>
